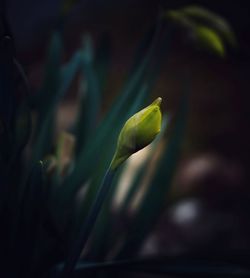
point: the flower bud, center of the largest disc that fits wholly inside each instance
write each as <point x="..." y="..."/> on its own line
<point x="138" y="132"/>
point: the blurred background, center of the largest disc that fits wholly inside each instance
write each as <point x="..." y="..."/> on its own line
<point x="210" y="199"/>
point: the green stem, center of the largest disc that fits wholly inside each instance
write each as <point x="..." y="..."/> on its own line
<point x="89" y="223"/>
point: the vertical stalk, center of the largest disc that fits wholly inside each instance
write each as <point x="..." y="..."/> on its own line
<point x="89" y="223"/>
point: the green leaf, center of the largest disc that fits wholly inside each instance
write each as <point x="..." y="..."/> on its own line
<point x="90" y="97"/>
<point x="208" y="39"/>
<point x="210" y="30"/>
<point x="43" y="143"/>
<point x="47" y="96"/>
<point x="68" y="73"/>
<point x="57" y="82"/>
<point x="48" y="100"/>
<point x="102" y="61"/>
<point x="214" y="21"/>
<point x="179" y="18"/>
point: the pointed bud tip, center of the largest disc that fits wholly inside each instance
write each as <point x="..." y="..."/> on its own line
<point x="157" y="101"/>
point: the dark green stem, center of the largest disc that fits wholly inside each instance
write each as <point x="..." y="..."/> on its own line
<point x="89" y="224"/>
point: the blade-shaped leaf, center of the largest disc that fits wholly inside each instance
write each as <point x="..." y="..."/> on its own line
<point x="102" y="61"/>
<point x="212" y="20"/>
<point x="208" y="39"/>
<point x="56" y="83"/>
<point x="47" y="100"/>
<point x="90" y="97"/>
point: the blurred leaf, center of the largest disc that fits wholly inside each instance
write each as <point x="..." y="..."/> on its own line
<point x="22" y="74"/>
<point x="68" y="73"/>
<point x="87" y="116"/>
<point x="209" y="40"/>
<point x="143" y="47"/>
<point x="64" y="152"/>
<point x="209" y="29"/>
<point x="102" y="61"/>
<point x="90" y="97"/>
<point x="50" y="165"/>
<point x="179" y="19"/>
<point x="48" y="100"/>
<point x="214" y="21"/>
<point x="47" y="96"/>
<point x="56" y="83"/>
<point x="44" y="139"/>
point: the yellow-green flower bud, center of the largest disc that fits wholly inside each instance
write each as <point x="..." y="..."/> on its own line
<point x="138" y="132"/>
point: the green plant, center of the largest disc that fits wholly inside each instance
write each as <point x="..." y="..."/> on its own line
<point x="40" y="218"/>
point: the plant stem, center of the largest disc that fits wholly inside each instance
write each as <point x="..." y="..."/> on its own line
<point x="89" y="224"/>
